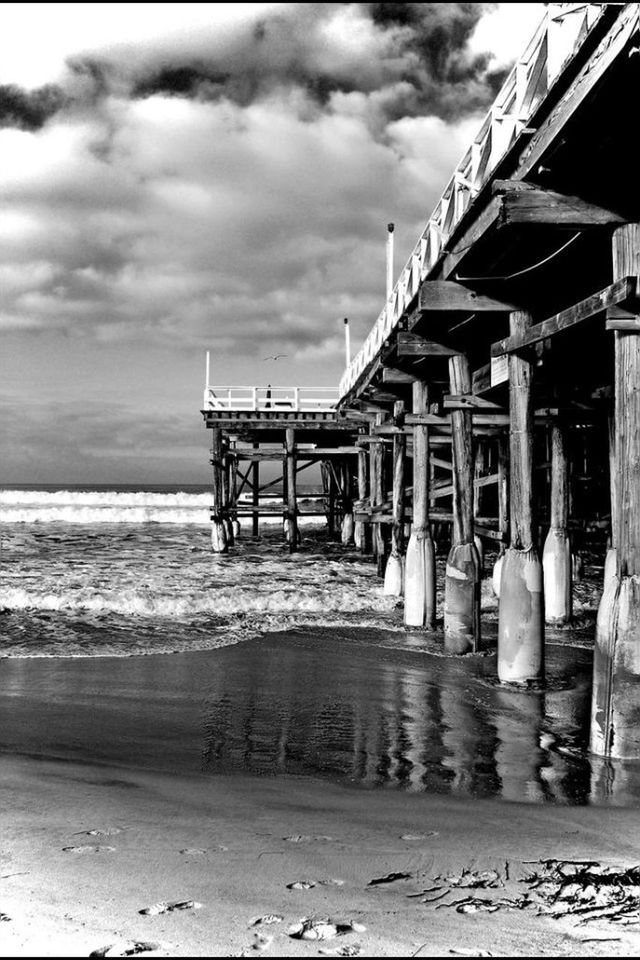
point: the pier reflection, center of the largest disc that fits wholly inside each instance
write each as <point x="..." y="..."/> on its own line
<point x="334" y="708"/>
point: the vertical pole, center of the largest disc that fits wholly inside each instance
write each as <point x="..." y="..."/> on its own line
<point x="394" y="573"/>
<point x="615" y="708"/>
<point x="226" y="494"/>
<point x="348" y="525"/>
<point x="521" y="621"/>
<point x="255" y="491"/>
<point x="503" y="508"/>
<point x="377" y="495"/>
<point x="361" y="530"/>
<point x="556" y="556"/>
<point x="347" y="342"/>
<point x="218" y="532"/>
<point x="479" y="470"/>
<point x="233" y="492"/>
<point x="292" y="500"/>
<point x="390" y="229"/>
<point x="611" y="562"/>
<point x="420" y="562"/>
<point x="462" y="578"/>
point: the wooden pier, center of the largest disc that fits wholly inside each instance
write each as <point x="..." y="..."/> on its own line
<point x="498" y="393"/>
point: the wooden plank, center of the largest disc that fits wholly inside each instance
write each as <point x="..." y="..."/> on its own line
<point x="446" y="295"/>
<point x="618" y="292"/>
<point x="481" y="380"/>
<point x="411" y="345"/>
<point x="471" y="402"/>
<point x="557" y="209"/>
<point x="392" y="375"/>
<point x="628" y="324"/>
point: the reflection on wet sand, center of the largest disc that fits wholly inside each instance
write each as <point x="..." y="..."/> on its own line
<point x="416" y="722"/>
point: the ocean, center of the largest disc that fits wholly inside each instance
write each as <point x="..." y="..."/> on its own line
<point x="317" y="676"/>
<point x="126" y="571"/>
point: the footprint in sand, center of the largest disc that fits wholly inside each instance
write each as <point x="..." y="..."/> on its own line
<point x="125" y="948"/>
<point x="166" y="906"/>
<point x="89" y="848"/>
<point x="268" y="918"/>
<point x="193" y="852"/>
<point x="106" y="832"/>
<point x="261" y="942"/>
<point x="349" y="950"/>
<point x="4" y="918"/>
<point x="300" y="838"/>
<point x="310" y="884"/>
<point x="415" y="837"/>
<point x="322" y="929"/>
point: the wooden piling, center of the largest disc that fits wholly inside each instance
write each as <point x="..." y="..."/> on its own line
<point x="394" y="572"/>
<point x="218" y="532"/>
<point x="348" y="526"/>
<point x="615" y="711"/>
<point x="503" y="508"/>
<point x="521" y="621"/>
<point x="255" y="493"/>
<point x="556" y="557"/>
<point x="292" y="499"/>
<point x="462" y="579"/>
<point x="362" y="533"/>
<point x="420" y="563"/>
<point x="376" y="496"/>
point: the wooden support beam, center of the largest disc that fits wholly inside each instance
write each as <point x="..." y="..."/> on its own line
<point x="471" y="402"/>
<point x="411" y="345"/>
<point x="292" y="500"/>
<point x="521" y="621"/>
<point x="219" y="540"/>
<point x="376" y="467"/>
<point x="536" y="205"/>
<point x="255" y="493"/>
<point x="394" y="571"/>
<point x="420" y="565"/>
<point x="556" y="557"/>
<point x="615" y="711"/>
<point x="462" y="577"/>
<point x="620" y="291"/>
<point x="392" y="375"/>
<point x="448" y="295"/>
<point x="481" y="380"/>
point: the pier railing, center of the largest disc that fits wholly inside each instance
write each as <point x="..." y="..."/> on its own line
<point x="556" y="41"/>
<point x="272" y="399"/>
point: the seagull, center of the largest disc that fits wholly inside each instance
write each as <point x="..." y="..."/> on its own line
<point x="276" y="357"/>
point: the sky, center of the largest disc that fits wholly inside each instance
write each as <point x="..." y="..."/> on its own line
<point x="176" y="178"/>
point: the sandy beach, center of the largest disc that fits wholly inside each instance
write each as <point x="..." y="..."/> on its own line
<point x="222" y="843"/>
<point x="89" y="842"/>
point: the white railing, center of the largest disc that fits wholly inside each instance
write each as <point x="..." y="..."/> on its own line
<point x="557" y="39"/>
<point x="271" y="399"/>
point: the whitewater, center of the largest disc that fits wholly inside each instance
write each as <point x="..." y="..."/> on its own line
<point x="119" y="573"/>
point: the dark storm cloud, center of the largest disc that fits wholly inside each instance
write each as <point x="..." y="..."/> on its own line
<point x="29" y="109"/>
<point x="417" y="52"/>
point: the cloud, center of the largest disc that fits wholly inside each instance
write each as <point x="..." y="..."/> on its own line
<point x="221" y="176"/>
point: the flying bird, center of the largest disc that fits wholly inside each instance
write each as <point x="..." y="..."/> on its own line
<point x="276" y="357"/>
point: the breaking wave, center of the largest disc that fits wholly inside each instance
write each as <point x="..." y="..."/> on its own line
<point x="95" y="506"/>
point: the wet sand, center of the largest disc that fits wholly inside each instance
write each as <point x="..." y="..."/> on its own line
<point x="206" y="762"/>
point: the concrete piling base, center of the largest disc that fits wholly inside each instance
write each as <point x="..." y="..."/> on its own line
<point x="462" y="599"/>
<point x="394" y="576"/>
<point x="420" y="582"/>
<point x="610" y="565"/>
<point x="219" y="543"/>
<point x="236" y="529"/>
<point x="496" y="575"/>
<point x="615" y="705"/>
<point x="480" y="551"/>
<point x="557" y="570"/>
<point x="348" y="530"/>
<point x="521" y="620"/>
